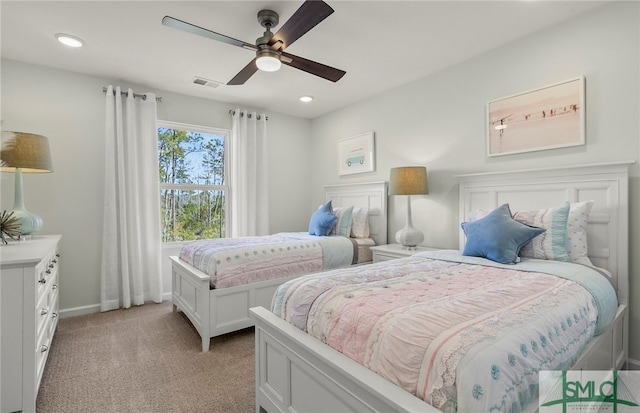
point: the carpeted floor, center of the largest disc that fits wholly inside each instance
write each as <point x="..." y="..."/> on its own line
<point x="146" y="359"/>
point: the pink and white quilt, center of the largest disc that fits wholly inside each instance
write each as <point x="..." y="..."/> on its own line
<point x="244" y="260"/>
<point x="463" y="333"/>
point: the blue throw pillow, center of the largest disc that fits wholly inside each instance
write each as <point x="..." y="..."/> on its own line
<point x="322" y="220"/>
<point x="497" y="236"/>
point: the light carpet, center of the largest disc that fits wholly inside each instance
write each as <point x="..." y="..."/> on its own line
<point x="146" y="359"/>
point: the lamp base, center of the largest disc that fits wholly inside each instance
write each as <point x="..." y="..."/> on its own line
<point x="409" y="237"/>
<point x="29" y="222"/>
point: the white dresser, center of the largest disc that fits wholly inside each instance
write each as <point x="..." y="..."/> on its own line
<point x="29" y="316"/>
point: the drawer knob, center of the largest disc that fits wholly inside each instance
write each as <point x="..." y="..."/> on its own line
<point x="57" y="254"/>
<point x="54" y="315"/>
<point x="42" y="281"/>
<point x="51" y="265"/>
<point x="48" y="271"/>
<point x="54" y="261"/>
<point x="55" y="286"/>
<point x="43" y="348"/>
<point x="44" y="311"/>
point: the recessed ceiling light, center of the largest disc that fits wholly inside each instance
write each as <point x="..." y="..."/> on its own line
<point x="306" y="99"/>
<point x="69" y="40"/>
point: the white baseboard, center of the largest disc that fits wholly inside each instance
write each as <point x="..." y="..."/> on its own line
<point x="94" y="308"/>
<point x="633" y="364"/>
<point x="73" y="312"/>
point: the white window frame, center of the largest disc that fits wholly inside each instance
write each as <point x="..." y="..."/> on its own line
<point x="227" y="178"/>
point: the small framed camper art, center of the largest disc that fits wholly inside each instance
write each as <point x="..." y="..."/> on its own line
<point x="356" y="154"/>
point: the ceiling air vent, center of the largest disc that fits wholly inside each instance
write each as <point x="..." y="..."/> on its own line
<point x="205" y="82"/>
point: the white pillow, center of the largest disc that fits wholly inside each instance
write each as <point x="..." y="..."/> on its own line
<point x="577" y="232"/>
<point x="360" y="222"/>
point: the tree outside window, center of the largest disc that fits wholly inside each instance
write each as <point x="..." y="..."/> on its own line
<point x="193" y="181"/>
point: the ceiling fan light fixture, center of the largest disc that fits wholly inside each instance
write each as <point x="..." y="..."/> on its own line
<point x="268" y="60"/>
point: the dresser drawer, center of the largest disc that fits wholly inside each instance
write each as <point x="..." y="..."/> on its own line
<point x="48" y="313"/>
<point x="46" y="270"/>
<point x="47" y="304"/>
<point x="383" y="257"/>
<point x="41" y="354"/>
<point x="392" y="251"/>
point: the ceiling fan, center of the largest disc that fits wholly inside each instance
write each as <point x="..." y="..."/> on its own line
<point x="270" y="47"/>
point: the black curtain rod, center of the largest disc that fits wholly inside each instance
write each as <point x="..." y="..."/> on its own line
<point x="233" y="112"/>
<point x="135" y="95"/>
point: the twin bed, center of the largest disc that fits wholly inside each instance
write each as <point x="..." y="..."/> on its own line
<point x="440" y="331"/>
<point x="215" y="291"/>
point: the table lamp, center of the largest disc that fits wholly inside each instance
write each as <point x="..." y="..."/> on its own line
<point x="24" y="153"/>
<point x="409" y="180"/>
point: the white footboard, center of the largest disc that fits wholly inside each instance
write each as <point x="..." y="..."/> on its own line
<point x="608" y="351"/>
<point x="297" y="373"/>
<point x="214" y="312"/>
<point x="190" y="293"/>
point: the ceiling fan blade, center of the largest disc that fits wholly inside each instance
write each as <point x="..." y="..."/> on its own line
<point x="315" y="68"/>
<point x="304" y="19"/>
<point x="191" y="28"/>
<point x="244" y="74"/>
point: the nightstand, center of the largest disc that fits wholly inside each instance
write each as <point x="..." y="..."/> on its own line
<point x="393" y="251"/>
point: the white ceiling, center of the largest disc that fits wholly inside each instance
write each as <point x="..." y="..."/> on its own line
<point x="380" y="44"/>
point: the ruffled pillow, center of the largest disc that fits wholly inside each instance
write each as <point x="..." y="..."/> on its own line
<point x="552" y="244"/>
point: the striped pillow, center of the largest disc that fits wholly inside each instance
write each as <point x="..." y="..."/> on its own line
<point x="343" y="224"/>
<point x="552" y="244"/>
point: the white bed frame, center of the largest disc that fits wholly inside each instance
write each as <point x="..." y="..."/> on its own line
<point x="219" y="311"/>
<point x="297" y="373"/>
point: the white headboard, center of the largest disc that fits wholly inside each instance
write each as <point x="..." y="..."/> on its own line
<point x="607" y="184"/>
<point x="372" y="195"/>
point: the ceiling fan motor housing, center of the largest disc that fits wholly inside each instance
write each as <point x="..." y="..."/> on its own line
<point x="266" y="51"/>
<point x="268" y="18"/>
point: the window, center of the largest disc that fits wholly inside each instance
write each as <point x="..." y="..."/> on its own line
<point x="193" y="181"/>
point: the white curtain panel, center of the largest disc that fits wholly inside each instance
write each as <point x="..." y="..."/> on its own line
<point x="131" y="264"/>
<point x="249" y="190"/>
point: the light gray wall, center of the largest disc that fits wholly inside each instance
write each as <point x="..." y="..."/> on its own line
<point x="439" y="121"/>
<point x="69" y="109"/>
